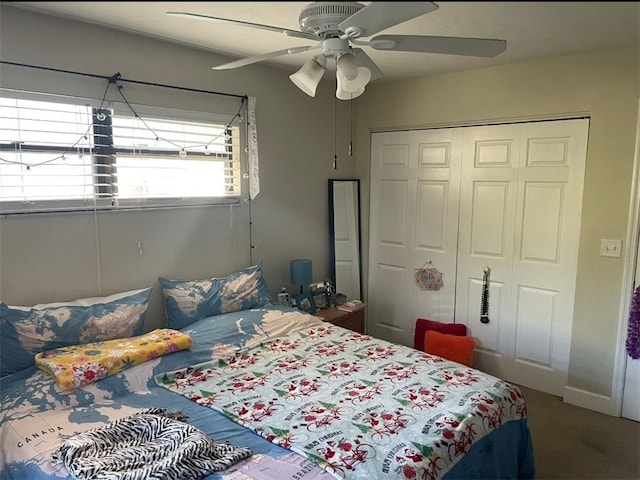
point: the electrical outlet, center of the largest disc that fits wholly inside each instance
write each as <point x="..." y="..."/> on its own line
<point x="610" y="248"/>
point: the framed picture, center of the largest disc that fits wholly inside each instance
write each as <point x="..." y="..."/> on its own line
<point x="321" y="301"/>
<point x="284" y="299"/>
<point x="319" y="294"/>
<point x="305" y="302"/>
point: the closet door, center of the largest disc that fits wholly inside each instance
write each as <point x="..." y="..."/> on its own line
<point x="520" y="210"/>
<point x="415" y="178"/>
<point x="506" y="197"/>
<point x="485" y="239"/>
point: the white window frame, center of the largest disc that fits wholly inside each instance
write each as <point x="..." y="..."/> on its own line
<point x="107" y="197"/>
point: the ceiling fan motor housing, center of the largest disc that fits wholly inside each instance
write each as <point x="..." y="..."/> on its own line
<point x="322" y="18"/>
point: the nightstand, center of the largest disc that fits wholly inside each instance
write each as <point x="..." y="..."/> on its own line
<point x="351" y="320"/>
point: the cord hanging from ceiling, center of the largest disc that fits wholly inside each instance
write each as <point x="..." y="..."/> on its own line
<point x="351" y="129"/>
<point x="335" y="134"/>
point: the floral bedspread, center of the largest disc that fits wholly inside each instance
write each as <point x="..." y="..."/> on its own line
<point x="359" y="407"/>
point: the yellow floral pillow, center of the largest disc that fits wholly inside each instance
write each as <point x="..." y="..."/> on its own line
<point x="79" y="365"/>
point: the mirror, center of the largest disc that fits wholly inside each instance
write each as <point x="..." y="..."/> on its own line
<point x="344" y="234"/>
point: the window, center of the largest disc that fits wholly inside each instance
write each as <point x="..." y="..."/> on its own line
<point x="71" y="155"/>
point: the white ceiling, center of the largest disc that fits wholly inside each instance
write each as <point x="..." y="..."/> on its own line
<point x="532" y="29"/>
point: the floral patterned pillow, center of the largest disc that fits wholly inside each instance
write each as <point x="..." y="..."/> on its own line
<point x="26" y="331"/>
<point x="79" y="365"/>
<point x="189" y="301"/>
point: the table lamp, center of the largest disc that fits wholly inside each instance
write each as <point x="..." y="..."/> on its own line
<point x="301" y="272"/>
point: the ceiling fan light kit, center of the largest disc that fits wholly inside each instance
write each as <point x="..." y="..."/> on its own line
<point x="342" y="93"/>
<point x="355" y="76"/>
<point x="336" y="26"/>
<point x="309" y="76"/>
<point x="359" y="79"/>
<point x="347" y="65"/>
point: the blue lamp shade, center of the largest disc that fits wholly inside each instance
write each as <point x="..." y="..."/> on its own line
<point x="301" y="272"/>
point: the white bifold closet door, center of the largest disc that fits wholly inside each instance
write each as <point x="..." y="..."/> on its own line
<point x="507" y="197"/>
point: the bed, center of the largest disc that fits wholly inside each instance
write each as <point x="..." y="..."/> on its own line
<point x="307" y="399"/>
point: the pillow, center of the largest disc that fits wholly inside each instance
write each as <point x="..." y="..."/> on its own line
<point x="452" y="347"/>
<point x="422" y="325"/>
<point x="79" y="365"/>
<point x="189" y="301"/>
<point x="25" y="331"/>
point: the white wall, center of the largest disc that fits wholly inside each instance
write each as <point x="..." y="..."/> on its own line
<point x="64" y="257"/>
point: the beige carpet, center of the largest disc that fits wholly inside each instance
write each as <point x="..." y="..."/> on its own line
<point x="576" y="443"/>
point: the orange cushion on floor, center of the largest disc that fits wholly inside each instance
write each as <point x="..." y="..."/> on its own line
<point x="452" y="347"/>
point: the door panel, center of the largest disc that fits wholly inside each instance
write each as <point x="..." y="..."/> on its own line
<point x="631" y="396"/>
<point x="489" y="218"/>
<point x="549" y="209"/>
<point x="414" y="211"/>
<point x="488" y="196"/>
<point x="536" y="312"/>
<point x="542" y="212"/>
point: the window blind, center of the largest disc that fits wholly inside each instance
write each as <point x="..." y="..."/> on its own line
<point x="64" y="154"/>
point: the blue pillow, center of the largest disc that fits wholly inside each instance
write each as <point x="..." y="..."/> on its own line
<point x="187" y="301"/>
<point x="25" y="331"/>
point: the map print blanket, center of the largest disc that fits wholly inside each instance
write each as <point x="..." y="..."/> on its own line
<point x="359" y="407"/>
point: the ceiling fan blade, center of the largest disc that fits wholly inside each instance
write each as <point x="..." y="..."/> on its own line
<point x="378" y="16"/>
<point x="475" y="47"/>
<point x="266" y="56"/>
<point x="271" y="28"/>
<point x="365" y="60"/>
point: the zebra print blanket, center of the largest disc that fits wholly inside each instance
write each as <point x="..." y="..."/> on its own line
<point x="151" y="444"/>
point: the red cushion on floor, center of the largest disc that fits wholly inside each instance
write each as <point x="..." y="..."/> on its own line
<point x="422" y="325"/>
<point x="452" y="347"/>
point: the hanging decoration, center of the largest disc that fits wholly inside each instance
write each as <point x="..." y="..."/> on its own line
<point x="484" y="299"/>
<point x="252" y="140"/>
<point x="428" y="277"/>
<point x="633" y="327"/>
<point x="116" y="80"/>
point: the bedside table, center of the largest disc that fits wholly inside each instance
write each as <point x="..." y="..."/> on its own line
<point x="351" y="320"/>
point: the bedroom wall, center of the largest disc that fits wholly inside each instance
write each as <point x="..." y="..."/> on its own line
<point x="603" y="85"/>
<point x="68" y="256"/>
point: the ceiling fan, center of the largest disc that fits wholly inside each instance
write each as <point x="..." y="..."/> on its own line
<point x="338" y="27"/>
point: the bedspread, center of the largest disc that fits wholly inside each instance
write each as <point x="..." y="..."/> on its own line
<point x="359" y="407"/>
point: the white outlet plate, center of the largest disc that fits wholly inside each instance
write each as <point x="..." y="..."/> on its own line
<point x="610" y="248"/>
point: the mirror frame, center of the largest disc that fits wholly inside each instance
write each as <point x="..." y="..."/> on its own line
<point x="332" y="246"/>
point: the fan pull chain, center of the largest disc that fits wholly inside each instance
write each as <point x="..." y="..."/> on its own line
<point x="335" y="134"/>
<point x="351" y="128"/>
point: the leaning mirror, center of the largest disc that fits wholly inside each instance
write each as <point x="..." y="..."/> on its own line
<point x="344" y="229"/>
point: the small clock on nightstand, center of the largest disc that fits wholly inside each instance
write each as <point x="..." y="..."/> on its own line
<point x="351" y="320"/>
